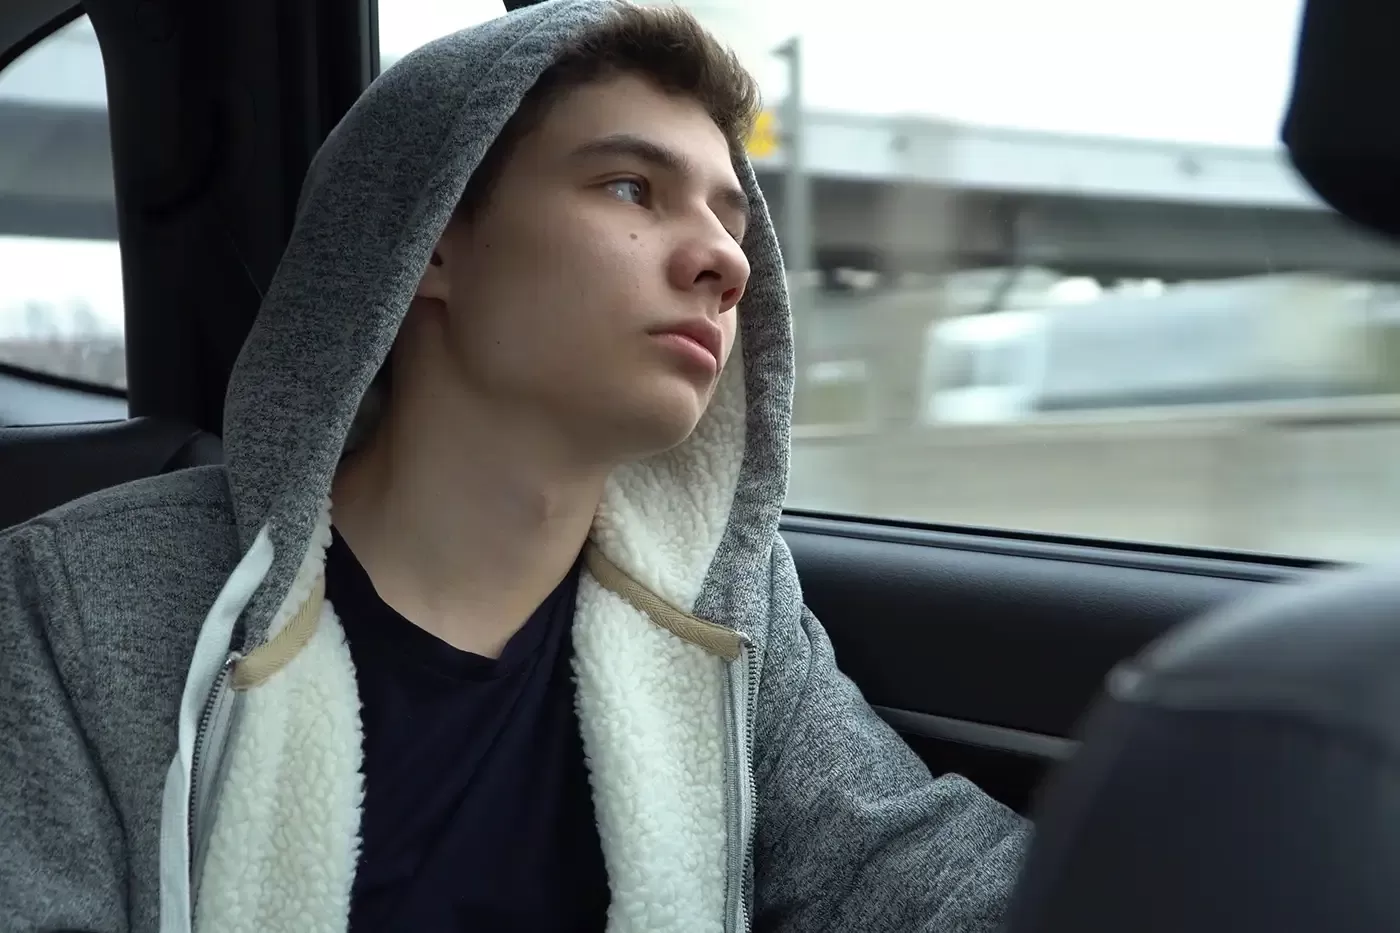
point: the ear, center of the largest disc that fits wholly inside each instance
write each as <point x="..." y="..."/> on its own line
<point x="435" y="284"/>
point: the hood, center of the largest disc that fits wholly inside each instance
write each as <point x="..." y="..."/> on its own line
<point x="377" y="197"/>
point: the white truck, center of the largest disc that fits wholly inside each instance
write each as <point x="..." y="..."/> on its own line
<point x="1265" y="338"/>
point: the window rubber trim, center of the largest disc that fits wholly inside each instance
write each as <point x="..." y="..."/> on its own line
<point x="1143" y="555"/>
<point x="12" y="54"/>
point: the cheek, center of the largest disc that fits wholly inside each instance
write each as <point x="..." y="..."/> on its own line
<point x="563" y="282"/>
<point x="532" y="270"/>
<point x="548" y="303"/>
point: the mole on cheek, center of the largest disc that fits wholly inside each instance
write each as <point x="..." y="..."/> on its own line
<point x="634" y="236"/>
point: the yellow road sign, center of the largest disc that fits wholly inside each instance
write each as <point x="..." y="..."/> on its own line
<point x="763" y="141"/>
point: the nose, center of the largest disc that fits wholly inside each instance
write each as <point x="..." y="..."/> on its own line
<point x="710" y="261"/>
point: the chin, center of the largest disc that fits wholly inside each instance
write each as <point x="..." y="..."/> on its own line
<point x="656" y="424"/>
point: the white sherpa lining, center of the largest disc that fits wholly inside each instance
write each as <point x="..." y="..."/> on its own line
<point x="651" y="706"/>
<point x="651" y="715"/>
<point x="285" y="840"/>
<point x="662" y="518"/>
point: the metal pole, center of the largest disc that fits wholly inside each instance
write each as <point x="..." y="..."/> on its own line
<point x="797" y="221"/>
<point x="797" y="206"/>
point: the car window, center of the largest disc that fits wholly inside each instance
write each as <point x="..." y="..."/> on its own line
<point x="60" y="266"/>
<point x="1053" y="272"/>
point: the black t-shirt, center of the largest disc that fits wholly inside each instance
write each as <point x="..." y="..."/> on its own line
<point x="477" y="812"/>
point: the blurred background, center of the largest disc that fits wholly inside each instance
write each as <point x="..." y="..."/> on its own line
<point x="1050" y="269"/>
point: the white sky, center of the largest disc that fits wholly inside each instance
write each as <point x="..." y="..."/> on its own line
<point x="1211" y="71"/>
<point x="1208" y="71"/>
<point x="37" y="269"/>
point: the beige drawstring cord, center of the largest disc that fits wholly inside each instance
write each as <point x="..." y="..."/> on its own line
<point x="263" y="662"/>
<point x="715" y="639"/>
<point x="269" y="658"/>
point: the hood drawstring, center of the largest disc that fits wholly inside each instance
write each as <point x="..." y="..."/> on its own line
<point x="716" y="639"/>
<point x="259" y="665"/>
<point x="267" y="659"/>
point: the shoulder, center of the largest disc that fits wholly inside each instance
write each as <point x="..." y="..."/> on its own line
<point x="150" y="554"/>
<point x="101" y="602"/>
<point x="201" y="490"/>
<point x="155" y="515"/>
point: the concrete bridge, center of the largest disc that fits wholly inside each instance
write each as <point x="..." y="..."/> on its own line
<point x="888" y="193"/>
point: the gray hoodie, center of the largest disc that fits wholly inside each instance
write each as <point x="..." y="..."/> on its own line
<point x="178" y="709"/>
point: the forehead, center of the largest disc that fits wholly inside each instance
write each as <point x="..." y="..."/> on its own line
<point x="632" y="106"/>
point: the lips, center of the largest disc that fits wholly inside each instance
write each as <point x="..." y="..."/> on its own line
<point x="704" y="332"/>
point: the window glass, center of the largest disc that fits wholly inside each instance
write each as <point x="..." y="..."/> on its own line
<point x="60" y="266"/>
<point x="1056" y="274"/>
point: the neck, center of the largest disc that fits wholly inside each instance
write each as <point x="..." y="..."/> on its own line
<point x="465" y="531"/>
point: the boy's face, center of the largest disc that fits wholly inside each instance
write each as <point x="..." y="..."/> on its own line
<point x="596" y="287"/>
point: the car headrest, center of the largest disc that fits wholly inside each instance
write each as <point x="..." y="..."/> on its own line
<point x="1243" y="774"/>
<point x="45" y="466"/>
<point x="1341" y="131"/>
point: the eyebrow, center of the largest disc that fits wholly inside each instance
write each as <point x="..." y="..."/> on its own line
<point x="662" y="157"/>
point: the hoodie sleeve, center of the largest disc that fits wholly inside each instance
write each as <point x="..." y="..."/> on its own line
<point x="62" y="864"/>
<point x="853" y="831"/>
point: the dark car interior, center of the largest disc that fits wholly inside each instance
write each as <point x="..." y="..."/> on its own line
<point x="983" y="647"/>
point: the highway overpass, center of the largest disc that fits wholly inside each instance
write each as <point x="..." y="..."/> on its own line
<point x="888" y="193"/>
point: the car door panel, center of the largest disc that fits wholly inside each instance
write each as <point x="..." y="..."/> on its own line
<point x="984" y="650"/>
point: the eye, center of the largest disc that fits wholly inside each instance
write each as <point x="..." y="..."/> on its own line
<point x="629" y="189"/>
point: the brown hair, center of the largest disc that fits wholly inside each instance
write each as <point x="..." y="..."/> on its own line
<point x="663" y="44"/>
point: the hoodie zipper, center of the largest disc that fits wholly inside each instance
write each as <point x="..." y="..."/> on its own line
<point x="209" y="734"/>
<point x="743" y="692"/>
